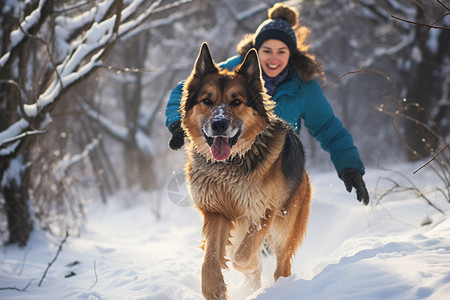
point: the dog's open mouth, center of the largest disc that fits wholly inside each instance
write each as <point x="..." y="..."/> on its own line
<point x="221" y="146"/>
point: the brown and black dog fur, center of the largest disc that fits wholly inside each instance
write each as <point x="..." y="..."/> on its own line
<point x="245" y="172"/>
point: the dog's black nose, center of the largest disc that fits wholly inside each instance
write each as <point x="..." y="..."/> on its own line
<point x="219" y="126"/>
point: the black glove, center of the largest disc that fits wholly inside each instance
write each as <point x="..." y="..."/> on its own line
<point x="353" y="178"/>
<point x="177" y="139"/>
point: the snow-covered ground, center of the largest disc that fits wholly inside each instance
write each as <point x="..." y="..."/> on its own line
<point x="351" y="251"/>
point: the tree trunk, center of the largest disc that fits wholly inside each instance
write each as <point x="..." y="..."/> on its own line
<point x="147" y="175"/>
<point x="418" y="138"/>
<point x="15" y="187"/>
<point x="425" y="90"/>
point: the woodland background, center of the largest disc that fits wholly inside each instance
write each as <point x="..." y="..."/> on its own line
<point x="83" y="88"/>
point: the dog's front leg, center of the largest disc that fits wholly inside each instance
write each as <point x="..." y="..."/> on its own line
<point x="253" y="240"/>
<point x="247" y="257"/>
<point x="216" y="230"/>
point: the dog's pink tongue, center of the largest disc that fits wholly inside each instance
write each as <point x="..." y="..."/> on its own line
<point x="220" y="149"/>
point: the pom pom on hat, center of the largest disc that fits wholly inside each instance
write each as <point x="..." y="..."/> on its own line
<point x="279" y="26"/>
<point x="281" y="11"/>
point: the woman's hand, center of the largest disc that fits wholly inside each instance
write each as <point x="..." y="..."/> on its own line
<point x="353" y="178"/>
<point x="177" y="139"/>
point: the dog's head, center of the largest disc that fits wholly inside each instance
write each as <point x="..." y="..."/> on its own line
<point x="222" y="111"/>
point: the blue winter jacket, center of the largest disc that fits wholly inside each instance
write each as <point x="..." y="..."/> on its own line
<point x="298" y="99"/>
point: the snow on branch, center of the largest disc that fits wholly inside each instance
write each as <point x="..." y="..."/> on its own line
<point x="172" y="5"/>
<point x="69" y="161"/>
<point x="406" y="41"/>
<point x="135" y="22"/>
<point x="246" y="14"/>
<point x="121" y="133"/>
<point x="169" y="20"/>
<point x="95" y="39"/>
<point x="116" y="131"/>
<point x="107" y="22"/>
<point x="19" y="137"/>
<point x="18" y="35"/>
<point x="7" y="147"/>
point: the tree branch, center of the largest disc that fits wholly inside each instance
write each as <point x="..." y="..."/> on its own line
<point x="443" y="5"/>
<point x="423" y="24"/>
<point x="96" y="277"/>
<point x="54" y="259"/>
<point x="32" y="22"/>
<point x="16" y="289"/>
<point x="47" y="46"/>
<point x="433" y="158"/>
<point x="19" y="137"/>
<point x="21" y="102"/>
<point x="127" y="70"/>
<point x="397" y="96"/>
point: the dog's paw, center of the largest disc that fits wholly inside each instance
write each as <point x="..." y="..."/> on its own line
<point x="215" y="292"/>
<point x="249" y="264"/>
<point x="215" y="296"/>
<point x="253" y="279"/>
<point x="213" y="285"/>
<point x="244" y="258"/>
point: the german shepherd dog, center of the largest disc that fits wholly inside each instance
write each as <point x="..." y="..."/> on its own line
<point x="245" y="172"/>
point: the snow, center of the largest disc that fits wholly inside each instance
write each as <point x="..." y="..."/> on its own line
<point x="145" y="143"/>
<point x="251" y="11"/>
<point x="4" y="59"/>
<point x="67" y="76"/>
<point x="70" y="160"/>
<point x="30" y="20"/>
<point x="116" y="130"/>
<point x="433" y="41"/>
<point x="102" y="9"/>
<point x="351" y="251"/>
<point x="100" y="30"/>
<point x="127" y="26"/>
<point x="10" y="134"/>
<point x="406" y="41"/>
<point x="12" y="174"/>
<point x="416" y="54"/>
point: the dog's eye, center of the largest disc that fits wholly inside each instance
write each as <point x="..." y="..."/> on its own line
<point x="236" y="102"/>
<point x="207" y="101"/>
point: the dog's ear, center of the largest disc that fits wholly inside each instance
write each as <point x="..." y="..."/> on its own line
<point x="251" y="69"/>
<point x="204" y="64"/>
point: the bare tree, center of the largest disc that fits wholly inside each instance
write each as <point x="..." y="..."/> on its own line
<point x="428" y="93"/>
<point x="48" y="47"/>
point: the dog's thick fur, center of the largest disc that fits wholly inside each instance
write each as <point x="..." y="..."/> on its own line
<point x="245" y="172"/>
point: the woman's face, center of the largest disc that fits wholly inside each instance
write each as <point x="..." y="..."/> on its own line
<point x="273" y="56"/>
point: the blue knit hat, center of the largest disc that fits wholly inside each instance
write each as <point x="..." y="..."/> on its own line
<point x="278" y="29"/>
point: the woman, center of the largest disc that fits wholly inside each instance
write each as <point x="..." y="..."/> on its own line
<point x="289" y="74"/>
